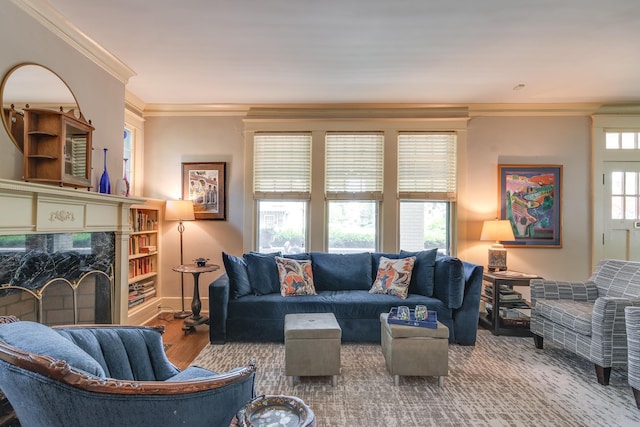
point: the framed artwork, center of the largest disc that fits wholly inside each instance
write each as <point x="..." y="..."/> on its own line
<point x="530" y="197"/>
<point x="204" y="184"/>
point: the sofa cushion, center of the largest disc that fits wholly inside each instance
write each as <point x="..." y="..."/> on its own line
<point x="449" y="281"/>
<point x="393" y="277"/>
<point x="37" y="338"/>
<point x="193" y="373"/>
<point x="296" y="277"/>
<point x="574" y="315"/>
<point x="336" y="272"/>
<point x="422" y="278"/>
<point x="236" y="268"/>
<point x="263" y="272"/>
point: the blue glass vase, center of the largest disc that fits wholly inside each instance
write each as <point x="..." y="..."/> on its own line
<point x="105" y="185"/>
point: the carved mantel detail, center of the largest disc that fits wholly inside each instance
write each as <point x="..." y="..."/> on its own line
<point x="61" y="215"/>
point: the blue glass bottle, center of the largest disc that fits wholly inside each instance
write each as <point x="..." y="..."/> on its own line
<point x="105" y="185"/>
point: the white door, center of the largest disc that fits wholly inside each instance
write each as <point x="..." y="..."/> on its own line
<point x="621" y="237"/>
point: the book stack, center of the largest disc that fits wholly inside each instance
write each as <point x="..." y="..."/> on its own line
<point x="141" y="291"/>
<point x="508" y="297"/>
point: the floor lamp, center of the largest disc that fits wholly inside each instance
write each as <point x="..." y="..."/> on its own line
<point x="180" y="210"/>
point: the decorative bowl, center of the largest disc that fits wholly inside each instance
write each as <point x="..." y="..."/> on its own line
<point x="201" y="262"/>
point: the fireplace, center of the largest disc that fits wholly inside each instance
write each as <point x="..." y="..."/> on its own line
<point x="58" y="278"/>
<point x="63" y="254"/>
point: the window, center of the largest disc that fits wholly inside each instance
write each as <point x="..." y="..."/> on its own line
<point x="353" y="189"/>
<point x="622" y="140"/>
<point x="282" y="189"/>
<point x="128" y="154"/>
<point x="625" y="195"/>
<point x="426" y="188"/>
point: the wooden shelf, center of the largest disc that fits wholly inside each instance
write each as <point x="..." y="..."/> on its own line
<point x="143" y="255"/>
<point x="42" y="156"/>
<point x="142" y="277"/>
<point x="57" y="148"/>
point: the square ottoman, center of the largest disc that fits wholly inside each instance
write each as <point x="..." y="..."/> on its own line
<point x="312" y="345"/>
<point x="415" y="351"/>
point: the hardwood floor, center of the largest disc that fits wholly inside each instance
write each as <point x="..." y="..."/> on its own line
<point x="182" y="348"/>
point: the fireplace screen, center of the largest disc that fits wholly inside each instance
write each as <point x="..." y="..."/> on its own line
<point x="59" y="278"/>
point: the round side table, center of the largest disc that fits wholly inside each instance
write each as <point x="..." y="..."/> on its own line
<point x="268" y="410"/>
<point x="195" y="319"/>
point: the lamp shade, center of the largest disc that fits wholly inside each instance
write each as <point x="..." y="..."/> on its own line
<point x="179" y="210"/>
<point x="497" y="230"/>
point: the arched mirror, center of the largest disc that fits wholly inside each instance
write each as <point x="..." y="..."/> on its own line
<point x="36" y="86"/>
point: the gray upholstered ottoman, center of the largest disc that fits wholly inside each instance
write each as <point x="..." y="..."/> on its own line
<point x="312" y="345"/>
<point x="415" y="351"/>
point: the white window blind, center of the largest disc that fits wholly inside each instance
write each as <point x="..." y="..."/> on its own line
<point x="427" y="166"/>
<point x="354" y="166"/>
<point x="282" y="166"/>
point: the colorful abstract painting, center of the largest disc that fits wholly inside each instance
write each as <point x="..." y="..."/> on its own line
<point x="531" y="199"/>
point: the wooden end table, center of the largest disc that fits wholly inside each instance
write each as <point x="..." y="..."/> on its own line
<point x="498" y="325"/>
<point x="195" y="319"/>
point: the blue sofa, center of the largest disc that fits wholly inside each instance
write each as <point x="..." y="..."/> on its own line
<point x="246" y="304"/>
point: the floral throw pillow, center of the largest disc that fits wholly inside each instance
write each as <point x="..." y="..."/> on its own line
<point x="296" y="277"/>
<point x="393" y="277"/>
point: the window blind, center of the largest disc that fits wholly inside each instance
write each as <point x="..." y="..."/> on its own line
<point x="354" y="166"/>
<point x="427" y="166"/>
<point x="282" y="166"/>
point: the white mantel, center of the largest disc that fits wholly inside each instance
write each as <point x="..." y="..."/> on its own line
<point x="29" y="208"/>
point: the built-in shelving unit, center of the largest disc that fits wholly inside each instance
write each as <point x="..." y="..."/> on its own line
<point x="144" y="250"/>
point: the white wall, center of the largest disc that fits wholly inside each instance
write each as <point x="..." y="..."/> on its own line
<point x="100" y="96"/>
<point x="490" y="141"/>
<point x="531" y="140"/>
<point x="171" y="141"/>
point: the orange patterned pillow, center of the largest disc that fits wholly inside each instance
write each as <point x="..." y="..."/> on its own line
<point x="394" y="276"/>
<point x="296" y="277"/>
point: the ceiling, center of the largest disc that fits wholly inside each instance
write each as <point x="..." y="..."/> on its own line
<point x="370" y="51"/>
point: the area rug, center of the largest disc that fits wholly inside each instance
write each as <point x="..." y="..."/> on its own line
<point x="501" y="381"/>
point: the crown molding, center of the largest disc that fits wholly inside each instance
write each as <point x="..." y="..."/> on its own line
<point x="43" y="12"/>
<point x="133" y="104"/>
<point x="502" y="110"/>
<point x="384" y="111"/>
<point x="619" y="109"/>
<point x="192" y="110"/>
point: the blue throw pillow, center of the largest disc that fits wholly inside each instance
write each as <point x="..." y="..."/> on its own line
<point x="236" y="268"/>
<point x="423" y="271"/>
<point x="337" y="272"/>
<point x="37" y="338"/>
<point x="303" y="256"/>
<point x="263" y="272"/>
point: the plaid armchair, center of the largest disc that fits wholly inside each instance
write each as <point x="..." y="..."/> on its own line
<point x="632" y="318"/>
<point x="587" y="318"/>
<point x="111" y="375"/>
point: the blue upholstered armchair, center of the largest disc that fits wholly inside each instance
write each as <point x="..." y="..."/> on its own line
<point x="111" y="375"/>
<point x="632" y="319"/>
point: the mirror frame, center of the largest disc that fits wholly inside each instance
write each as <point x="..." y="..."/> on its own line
<point x="48" y="105"/>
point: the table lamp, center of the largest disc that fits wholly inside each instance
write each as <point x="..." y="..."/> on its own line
<point x="180" y="210"/>
<point x="497" y="230"/>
